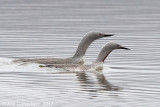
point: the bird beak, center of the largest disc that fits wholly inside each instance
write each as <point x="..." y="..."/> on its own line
<point x="124" y="48"/>
<point x="107" y="35"/>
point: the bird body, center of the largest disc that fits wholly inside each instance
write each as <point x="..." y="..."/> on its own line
<point x="54" y="60"/>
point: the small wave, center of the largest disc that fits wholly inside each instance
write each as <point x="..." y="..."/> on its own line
<point x="8" y="64"/>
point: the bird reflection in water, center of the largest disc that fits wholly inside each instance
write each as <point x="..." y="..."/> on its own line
<point x="88" y="83"/>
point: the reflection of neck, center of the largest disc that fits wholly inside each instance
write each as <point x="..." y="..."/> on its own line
<point x="103" y="55"/>
<point x="103" y="82"/>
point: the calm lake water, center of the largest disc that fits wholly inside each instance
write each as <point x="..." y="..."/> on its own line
<point x="53" y="28"/>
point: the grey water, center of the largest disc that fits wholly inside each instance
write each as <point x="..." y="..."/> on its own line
<point x="53" y="28"/>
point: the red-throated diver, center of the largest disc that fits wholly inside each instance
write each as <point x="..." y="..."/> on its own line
<point x="97" y="65"/>
<point x="78" y="56"/>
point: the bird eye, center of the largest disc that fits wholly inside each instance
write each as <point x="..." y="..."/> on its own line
<point x="100" y="34"/>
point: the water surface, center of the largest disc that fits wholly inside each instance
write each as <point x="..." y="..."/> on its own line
<point x="53" y="28"/>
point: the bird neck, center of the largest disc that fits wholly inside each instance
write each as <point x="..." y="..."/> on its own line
<point x="77" y="60"/>
<point x="103" y="55"/>
<point x="97" y="66"/>
<point x="82" y="47"/>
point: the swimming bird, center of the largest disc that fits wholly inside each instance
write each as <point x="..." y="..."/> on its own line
<point x="79" y="54"/>
<point x="98" y="64"/>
